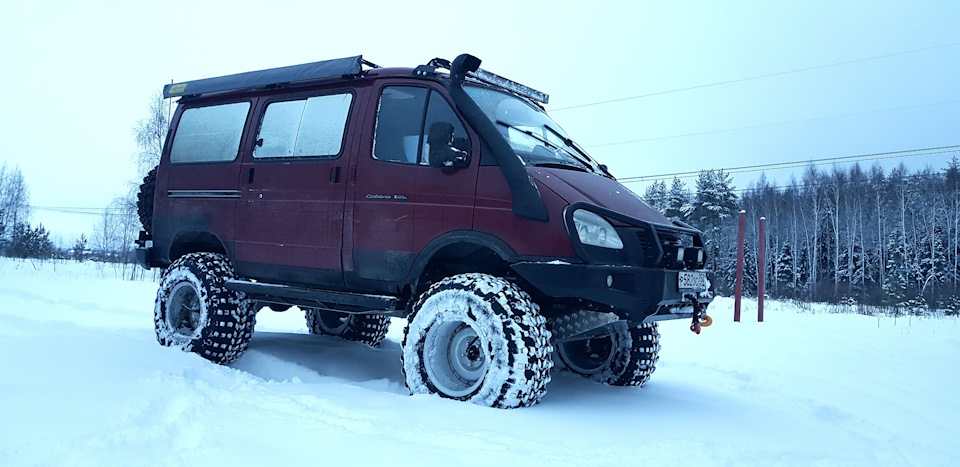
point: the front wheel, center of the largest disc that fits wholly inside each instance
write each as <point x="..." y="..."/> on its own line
<point x="478" y="338"/>
<point x="625" y="357"/>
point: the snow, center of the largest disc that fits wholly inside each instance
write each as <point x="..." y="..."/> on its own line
<point x="84" y="382"/>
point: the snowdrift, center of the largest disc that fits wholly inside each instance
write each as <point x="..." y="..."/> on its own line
<point x="84" y="382"/>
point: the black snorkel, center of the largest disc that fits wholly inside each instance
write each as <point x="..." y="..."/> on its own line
<point x="527" y="202"/>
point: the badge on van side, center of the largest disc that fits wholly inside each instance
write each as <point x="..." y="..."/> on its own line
<point x="386" y="197"/>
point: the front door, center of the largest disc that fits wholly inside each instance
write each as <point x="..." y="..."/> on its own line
<point x="404" y="196"/>
<point x="290" y="216"/>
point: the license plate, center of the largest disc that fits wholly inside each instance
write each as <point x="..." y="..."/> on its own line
<point x="696" y="281"/>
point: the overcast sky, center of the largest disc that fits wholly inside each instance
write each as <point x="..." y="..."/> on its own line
<point x="78" y="75"/>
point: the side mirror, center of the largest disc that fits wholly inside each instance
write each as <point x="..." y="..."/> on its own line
<point x="444" y="150"/>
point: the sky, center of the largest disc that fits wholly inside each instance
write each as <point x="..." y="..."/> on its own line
<point x="879" y="76"/>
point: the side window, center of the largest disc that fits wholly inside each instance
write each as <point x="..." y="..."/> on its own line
<point x="417" y="126"/>
<point x="311" y="127"/>
<point x="444" y="136"/>
<point x="399" y="124"/>
<point x="209" y="134"/>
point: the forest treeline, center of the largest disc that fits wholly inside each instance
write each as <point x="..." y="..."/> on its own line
<point x="855" y="236"/>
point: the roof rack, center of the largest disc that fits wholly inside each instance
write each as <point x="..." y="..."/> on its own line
<point x="295" y="74"/>
<point x="309" y="73"/>
<point x="496" y="80"/>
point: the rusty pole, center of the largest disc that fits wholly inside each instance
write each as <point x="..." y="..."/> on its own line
<point x="738" y="289"/>
<point x="761" y="270"/>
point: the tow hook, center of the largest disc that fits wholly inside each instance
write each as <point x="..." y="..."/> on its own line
<point x="700" y="319"/>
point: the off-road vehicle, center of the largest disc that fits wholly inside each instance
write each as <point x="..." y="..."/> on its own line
<point x="443" y="194"/>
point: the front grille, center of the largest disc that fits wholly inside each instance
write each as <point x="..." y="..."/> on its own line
<point x="650" y="252"/>
<point x="645" y="244"/>
<point x="665" y="248"/>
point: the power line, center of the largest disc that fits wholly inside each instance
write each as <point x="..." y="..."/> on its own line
<point x="750" y="78"/>
<point x="682" y="135"/>
<point x="915" y="176"/>
<point x="807" y="161"/>
<point x="801" y="163"/>
<point x="801" y="166"/>
<point x="76" y="210"/>
<point x="823" y="184"/>
<point x="851" y="161"/>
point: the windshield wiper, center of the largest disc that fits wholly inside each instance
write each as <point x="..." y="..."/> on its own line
<point x="549" y="144"/>
<point x="583" y="158"/>
<point x="558" y="165"/>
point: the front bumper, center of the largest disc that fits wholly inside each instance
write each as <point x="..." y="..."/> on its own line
<point x="634" y="293"/>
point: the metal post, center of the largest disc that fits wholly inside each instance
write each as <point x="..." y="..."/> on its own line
<point x="761" y="269"/>
<point x="738" y="289"/>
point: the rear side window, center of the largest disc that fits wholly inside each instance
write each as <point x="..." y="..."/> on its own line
<point x="209" y="134"/>
<point x="311" y="127"/>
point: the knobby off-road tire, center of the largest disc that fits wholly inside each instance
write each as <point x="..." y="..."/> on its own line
<point x="368" y="329"/>
<point x="196" y="313"/>
<point x="626" y="357"/>
<point x="477" y="338"/>
<point x="145" y="200"/>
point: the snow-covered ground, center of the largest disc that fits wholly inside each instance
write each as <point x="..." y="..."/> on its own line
<point x="84" y="382"/>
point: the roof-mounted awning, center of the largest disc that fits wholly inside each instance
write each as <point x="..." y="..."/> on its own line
<point x="294" y="74"/>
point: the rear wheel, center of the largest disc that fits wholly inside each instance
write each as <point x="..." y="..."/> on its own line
<point x="368" y="329"/>
<point x="477" y="338"/>
<point x="196" y="313"/>
<point x="626" y="357"/>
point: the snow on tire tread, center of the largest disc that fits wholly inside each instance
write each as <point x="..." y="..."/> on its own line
<point x="227" y="320"/>
<point x="518" y="341"/>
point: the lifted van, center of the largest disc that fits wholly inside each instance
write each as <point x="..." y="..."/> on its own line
<point x="443" y="194"/>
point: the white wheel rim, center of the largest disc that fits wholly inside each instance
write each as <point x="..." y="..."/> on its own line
<point x="455" y="357"/>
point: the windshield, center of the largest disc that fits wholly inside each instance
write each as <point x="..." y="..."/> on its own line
<point x="533" y="135"/>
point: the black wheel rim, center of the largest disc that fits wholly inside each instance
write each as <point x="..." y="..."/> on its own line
<point x="184" y="311"/>
<point x="587" y="356"/>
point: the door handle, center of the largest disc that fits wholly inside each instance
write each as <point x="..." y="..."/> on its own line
<point x="335" y="174"/>
<point x="250" y="176"/>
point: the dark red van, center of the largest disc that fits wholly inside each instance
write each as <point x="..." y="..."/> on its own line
<point x="442" y="194"/>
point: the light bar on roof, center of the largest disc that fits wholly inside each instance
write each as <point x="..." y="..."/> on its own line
<point x="497" y="80"/>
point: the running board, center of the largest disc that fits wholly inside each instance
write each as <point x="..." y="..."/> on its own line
<point x="340" y="301"/>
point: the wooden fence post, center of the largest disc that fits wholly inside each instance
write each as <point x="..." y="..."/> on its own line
<point x="738" y="288"/>
<point x="761" y="269"/>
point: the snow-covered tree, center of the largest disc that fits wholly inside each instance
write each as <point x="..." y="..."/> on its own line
<point x="715" y="199"/>
<point x="656" y="195"/>
<point x="14" y="198"/>
<point x="80" y="248"/>
<point x="784" y="271"/>
<point x="714" y="202"/>
<point x="898" y="275"/>
<point x="30" y="242"/>
<point x="678" y="201"/>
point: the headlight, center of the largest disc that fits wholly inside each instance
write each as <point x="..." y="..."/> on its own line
<point x="594" y="230"/>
